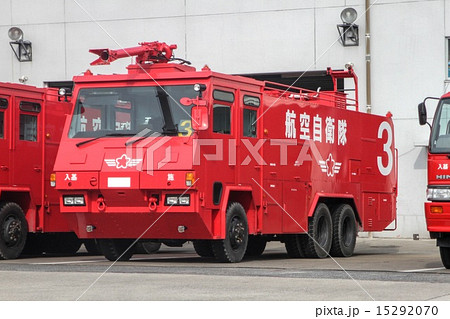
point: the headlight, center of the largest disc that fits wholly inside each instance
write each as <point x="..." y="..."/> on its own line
<point x="74" y="201"/>
<point x="438" y="194"/>
<point x="178" y="200"/>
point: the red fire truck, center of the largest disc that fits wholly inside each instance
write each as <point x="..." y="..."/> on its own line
<point x="437" y="209"/>
<point x="166" y="152"/>
<point x="31" y="123"/>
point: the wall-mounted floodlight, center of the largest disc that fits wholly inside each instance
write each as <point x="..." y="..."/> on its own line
<point x="21" y="48"/>
<point x="348" y="31"/>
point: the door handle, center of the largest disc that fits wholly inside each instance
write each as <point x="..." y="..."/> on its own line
<point x="37" y="169"/>
<point x="4" y="168"/>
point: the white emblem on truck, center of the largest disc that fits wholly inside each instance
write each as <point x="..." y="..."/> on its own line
<point x="330" y="166"/>
<point x="123" y="162"/>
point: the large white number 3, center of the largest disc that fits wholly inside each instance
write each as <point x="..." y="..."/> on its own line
<point x="385" y="170"/>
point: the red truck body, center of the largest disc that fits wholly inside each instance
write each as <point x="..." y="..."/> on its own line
<point x="31" y="123"/>
<point x="437" y="208"/>
<point x="257" y="161"/>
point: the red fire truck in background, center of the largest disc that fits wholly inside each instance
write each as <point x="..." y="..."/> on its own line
<point x="437" y="209"/>
<point x="31" y="123"/>
<point x="166" y="152"/>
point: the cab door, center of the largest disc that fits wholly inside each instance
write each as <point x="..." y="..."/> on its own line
<point x="27" y="150"/>
<point x="250" y="143"/>
<point x="4" y="140"/>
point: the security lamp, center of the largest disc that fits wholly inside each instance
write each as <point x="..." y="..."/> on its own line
<point x="21" y="48"/>
<point x="348" y="31"/>
<point x="349" y="15"/>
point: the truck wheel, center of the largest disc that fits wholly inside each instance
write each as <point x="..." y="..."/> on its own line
<point x="147" y="247"/>
<point x="295" y="245"/>
<point x="13" y="230"/>
<point x="344" y="232"/>
<point x="255" y="246"/>
<point x="445" y="256"/>
<point x="203" y="248"/>
<point x="318" y="243"/>
<point x="233" y="247"/>
<point x="116" y="249"/>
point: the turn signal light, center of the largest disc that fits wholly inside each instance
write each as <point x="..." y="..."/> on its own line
<point x="190" y="178"/>
<point x="436" y="210"/>
<point x="53" y="180"/>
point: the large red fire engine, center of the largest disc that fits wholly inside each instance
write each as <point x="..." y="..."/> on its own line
<point x="166" y="152"/>
<point x="31" y="123"/>
<point x="437" y="209"/>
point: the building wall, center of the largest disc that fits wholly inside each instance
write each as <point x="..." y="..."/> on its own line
<point x="255" y="36"/>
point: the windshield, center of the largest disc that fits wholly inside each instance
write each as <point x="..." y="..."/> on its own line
<point x="130" y="110"/>
<point x="440" y="134"/>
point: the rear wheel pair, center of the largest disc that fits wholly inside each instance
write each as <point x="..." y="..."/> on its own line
<point x="328" y="234"/>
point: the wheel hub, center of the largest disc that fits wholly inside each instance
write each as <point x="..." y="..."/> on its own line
<point x="237" y="233"/>
<point x="12" y="229"/>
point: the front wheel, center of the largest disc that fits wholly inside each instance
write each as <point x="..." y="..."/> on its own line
<point x="233" y="247"/>
<point x="445" y="256"/>
<point x="13" y="230"/>
<point x="116" y="249"/>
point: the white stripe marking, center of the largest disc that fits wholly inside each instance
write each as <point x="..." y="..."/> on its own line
<point x="424" y="269"/>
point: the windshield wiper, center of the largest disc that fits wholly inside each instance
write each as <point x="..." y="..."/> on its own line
<point x="142" y="135"/>
<point x="169" y="126"/>
<point x="98" y="137"/>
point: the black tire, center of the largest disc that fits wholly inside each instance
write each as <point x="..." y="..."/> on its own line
<point x="92" y="247"/>
<point x="203" y="248"/>
<point x="116" y="249"/>
<point x="233" y="247"/>
<point x="255" y="246"/>
<point x="295" y="245"/>
<point x="62" y="243"/>
<point x="344" y="232"/>
<point x="13" y="230"/>
<point x="147" y="247"/>
<point x="318" y="243"/>
<point x="445" y="256"/>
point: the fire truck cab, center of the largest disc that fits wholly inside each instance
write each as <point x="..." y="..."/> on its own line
<point x="437" y="208"/>
<point x="166" y="152"/>
<point x="31" y="122"/>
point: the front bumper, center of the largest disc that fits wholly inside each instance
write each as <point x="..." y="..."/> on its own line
<point x="438" y="222"/>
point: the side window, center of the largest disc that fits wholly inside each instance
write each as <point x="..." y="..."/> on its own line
<point x="221" y="119"/>
<point x="222" y="111"/>
<point x="249" y="115"/>
<point x="28" y="122"/>
<point x="249" y="123"/>
<point x="28" y="127"/>
<point x="3" y="105"/>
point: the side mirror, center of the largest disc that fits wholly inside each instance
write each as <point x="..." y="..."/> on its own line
<point x="422" y="113"/>
<point x="199" y="116"/>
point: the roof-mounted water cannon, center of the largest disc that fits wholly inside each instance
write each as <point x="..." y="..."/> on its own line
<point x="147" y="52"/>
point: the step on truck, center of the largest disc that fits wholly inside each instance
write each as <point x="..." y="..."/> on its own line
<point x="168" y="153"/>
<point x="31" y="123"/>
<point x="437" y="207"/>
